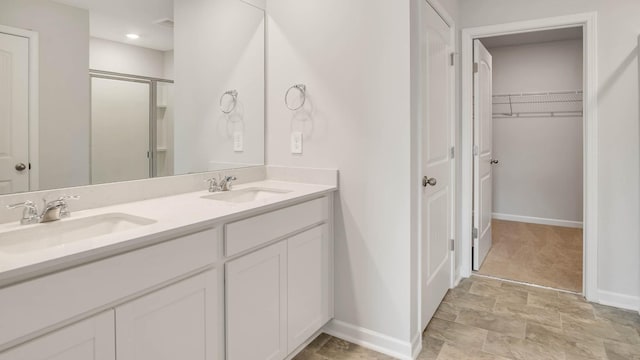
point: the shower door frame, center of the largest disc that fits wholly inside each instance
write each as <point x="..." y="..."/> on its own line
<point x="153" y="108"/>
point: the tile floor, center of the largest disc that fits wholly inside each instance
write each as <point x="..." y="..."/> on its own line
<point x="489" y="319"/>
<point x="536" y="254"/>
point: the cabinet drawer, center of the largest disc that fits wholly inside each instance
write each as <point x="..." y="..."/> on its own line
<point x="246" y="234"/>
<point x="44" y="302"/>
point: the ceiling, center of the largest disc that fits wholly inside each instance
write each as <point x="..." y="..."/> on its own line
<point x="113" y="19"/>
<point x="535" y="37"/>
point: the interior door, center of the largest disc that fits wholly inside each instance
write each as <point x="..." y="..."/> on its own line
<point x="435" y="82"/>
<point x="14" y="114"/>
<point x="120" y="135"/>
<point x="482" y="151"/>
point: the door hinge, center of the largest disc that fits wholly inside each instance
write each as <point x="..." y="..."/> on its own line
<point x="453" y="152"/>
<point x="453" y="59"/>
<point x="475" y="233"/>
<point x="453" y="245"/>
<point x="476" y="150"/>
<point x="475" y="68"/>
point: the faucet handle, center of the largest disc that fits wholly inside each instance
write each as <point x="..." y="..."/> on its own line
<point x="28" y="205"/>
<point x="213" y="184"/>
<point x="228" y="182"/>
<point x="69" y="197"/>
<point x="64" y="209"/>
<point x="30" y="213"/>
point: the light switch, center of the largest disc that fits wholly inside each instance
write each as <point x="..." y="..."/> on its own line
<point x="296" y="142"/>
<point x="238" y="141"/>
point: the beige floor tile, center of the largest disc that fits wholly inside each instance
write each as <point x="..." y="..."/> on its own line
<point x="451" y="352"/>
<point x="621" y="351"/>
<point x="430" y="348"/>
<point x="502" y="325"/>
<point x="453" y="333"/>
<point x="546" y="316"/>
<point x="521" y="349"/>
<point x="538" y="254"/>
<point x="337" y="349"/>
<point x="582" y="347"/>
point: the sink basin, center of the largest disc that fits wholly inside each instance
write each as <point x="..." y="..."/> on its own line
<point x="245" y="195"/>
<point x="66" y="231"/>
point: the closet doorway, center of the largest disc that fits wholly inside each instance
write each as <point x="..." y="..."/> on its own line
<point x="528" y="158"/>
<point x="477" y="214"/>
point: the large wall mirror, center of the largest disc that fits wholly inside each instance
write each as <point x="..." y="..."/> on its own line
<point x="98" y="91"/>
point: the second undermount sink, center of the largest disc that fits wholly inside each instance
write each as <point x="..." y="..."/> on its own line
<point x="67" y="231"/>
<point x="245" y="195"/>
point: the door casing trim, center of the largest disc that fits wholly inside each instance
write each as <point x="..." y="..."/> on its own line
<point x="588" y="21"/>
<point x="34" y="101"/>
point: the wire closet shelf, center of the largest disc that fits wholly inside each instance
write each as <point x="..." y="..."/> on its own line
<point x="542" y="104"/>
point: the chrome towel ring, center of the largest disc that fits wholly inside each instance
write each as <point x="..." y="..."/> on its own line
<point x="234" y="101"/>
<point x="303" y="95"/>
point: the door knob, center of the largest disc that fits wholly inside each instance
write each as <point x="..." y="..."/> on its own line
<point x="426" y="181"/>
<point x="494" y="162"/>
<point x="21" y="167"/>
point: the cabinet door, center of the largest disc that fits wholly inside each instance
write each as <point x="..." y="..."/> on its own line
<point x="307" y="284"/>
<point x="89" y="339"/>
<point x="256" y="305"/>
<point x="177" y="322"/>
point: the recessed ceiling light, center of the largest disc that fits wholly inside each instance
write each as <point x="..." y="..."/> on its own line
<point x="133" y="36"/>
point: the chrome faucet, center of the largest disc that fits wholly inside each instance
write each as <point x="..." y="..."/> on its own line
<point x="223" y="183"/>
<point x="53" y="210"/>
<point x="226" y="182"/>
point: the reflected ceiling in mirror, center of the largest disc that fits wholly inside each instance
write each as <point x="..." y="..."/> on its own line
<point x="113" y="90"/>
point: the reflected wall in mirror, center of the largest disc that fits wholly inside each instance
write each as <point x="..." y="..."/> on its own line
<point x="97" y="91"/>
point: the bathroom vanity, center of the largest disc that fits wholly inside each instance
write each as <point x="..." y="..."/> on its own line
<point x="245" y="274"/>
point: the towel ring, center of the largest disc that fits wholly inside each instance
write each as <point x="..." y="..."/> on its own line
<point x="234" y="96"/>
<point x="303" y="94"/>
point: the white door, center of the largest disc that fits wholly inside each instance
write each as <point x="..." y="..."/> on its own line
<point x="482" y="151"/>
<point x="177" y="322"/>
<point x="91" y="339"/>
<point x="119" y="130"/>
<point x="257" y="305"/>
<point x="14" y="114"/>
<point x="307" y="284"/>
<point x="436" y="71"/>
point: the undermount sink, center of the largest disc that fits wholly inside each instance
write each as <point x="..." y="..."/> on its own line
<point x="245" y="195"/>
<point x="63" y="232"/>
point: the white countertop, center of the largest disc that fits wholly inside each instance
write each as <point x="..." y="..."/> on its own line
<point x="174" y="215"/>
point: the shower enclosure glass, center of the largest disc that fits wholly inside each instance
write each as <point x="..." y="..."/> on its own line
<point x="131" y="127"/>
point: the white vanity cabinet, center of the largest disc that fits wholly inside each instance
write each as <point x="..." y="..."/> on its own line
<point x="90" y="339"/>
<point x="279" y="295"/>
<point x="257" y="305"/>
<point x="309" y="291"/>
<point x="248" y="287"/>
<point x="161" y="302"/>
<point x="177" y="322"/>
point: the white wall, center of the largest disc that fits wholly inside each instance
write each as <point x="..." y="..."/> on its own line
<point x="618" y="139"/>
<point x="219" y="47"/>
<point x="354" y="57"/>
<point x="107" y="55"/>
<point x="64" y="86"/>
<point x="540" y="169"/>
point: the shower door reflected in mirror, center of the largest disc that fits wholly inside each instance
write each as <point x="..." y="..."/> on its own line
<point x="131" y="120"/>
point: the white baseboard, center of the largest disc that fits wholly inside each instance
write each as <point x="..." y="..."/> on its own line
<point x="537" y="220"/>
<point x="416" y="345"/>
<point x="621" y="301"/>
<point x="371" y="340"/>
